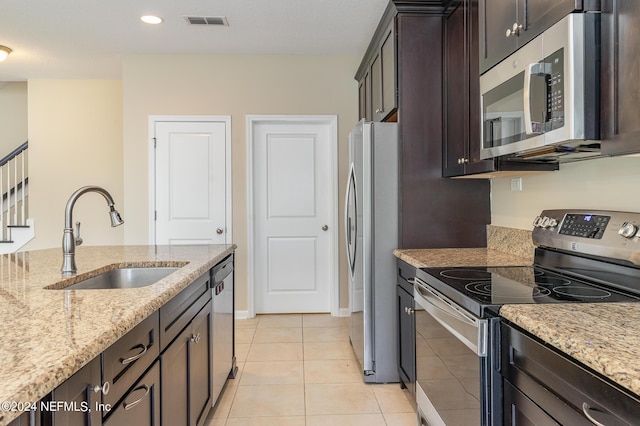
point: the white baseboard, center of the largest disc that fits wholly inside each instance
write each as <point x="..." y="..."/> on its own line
<point x="242" y="315"/>
<point x="344" y="312"/>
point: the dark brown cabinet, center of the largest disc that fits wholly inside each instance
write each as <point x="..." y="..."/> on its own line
<point x="141" y="405"/>
<point x="127" y="359"/>
<point x="377" y="83"/>
<point x="505" y="25"/>
<point x="160" y="372"/>
<point x="186" y="373"/>
<point x="434" y="212"/>
<point x="406" y="328"/>
<point x="620" y="117"/>
<point x="462" y="93"/>
<point x="544" y="386"/>
<point x="82" y="394"/>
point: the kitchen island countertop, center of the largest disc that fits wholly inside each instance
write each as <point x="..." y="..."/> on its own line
<point x="48" y="335"/>
<point x="602" y="336"/>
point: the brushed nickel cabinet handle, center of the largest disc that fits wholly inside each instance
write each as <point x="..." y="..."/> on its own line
<point x="130" y="405"/>
<point x="125" y="361"/>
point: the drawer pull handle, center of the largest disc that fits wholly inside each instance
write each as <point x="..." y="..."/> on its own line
<point x="130" y="405"/>
<point x="585" y="410"/>
<point x="125" y="361"/>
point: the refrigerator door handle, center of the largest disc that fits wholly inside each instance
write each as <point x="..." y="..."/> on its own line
<point x="351" y="240"/>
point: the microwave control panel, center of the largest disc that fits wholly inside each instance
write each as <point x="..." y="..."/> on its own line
<point x="555" y="90"/>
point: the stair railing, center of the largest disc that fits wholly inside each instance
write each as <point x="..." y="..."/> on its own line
<point x="13" y="187"/>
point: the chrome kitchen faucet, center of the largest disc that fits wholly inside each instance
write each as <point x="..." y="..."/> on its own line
<point x="69" y="241"/>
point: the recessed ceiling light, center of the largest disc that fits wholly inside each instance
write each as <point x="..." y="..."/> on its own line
<point x="150" y="19"/>
<point x="4" y="52"/>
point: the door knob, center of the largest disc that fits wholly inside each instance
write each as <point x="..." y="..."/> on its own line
<point x="325" y="227"/>
<point x="219" y="231"/>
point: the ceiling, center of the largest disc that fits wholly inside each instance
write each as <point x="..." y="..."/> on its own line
<point x="88" y="38"/>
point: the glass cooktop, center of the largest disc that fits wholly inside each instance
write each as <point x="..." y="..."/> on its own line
<point x="478" y="288"/>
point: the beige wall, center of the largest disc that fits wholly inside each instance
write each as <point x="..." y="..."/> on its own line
<point x="605" y="183"/>
<point x="75" y="139"/>
<point x="234" y="85"/>
<point x="13" y="116"/>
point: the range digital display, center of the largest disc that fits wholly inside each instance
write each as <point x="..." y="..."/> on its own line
<point x="584" y="225"/>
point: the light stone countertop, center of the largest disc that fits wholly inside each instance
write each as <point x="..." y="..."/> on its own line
<point x="47" y="335"/>
<point x="602" y="336"/>
<point x="435" y="258"/>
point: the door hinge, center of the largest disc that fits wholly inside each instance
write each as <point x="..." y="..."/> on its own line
<point x="155" y="143"/>
<point x="155" y="215"/>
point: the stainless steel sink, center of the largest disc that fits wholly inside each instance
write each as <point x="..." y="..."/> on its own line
<point x="130" y="277"/>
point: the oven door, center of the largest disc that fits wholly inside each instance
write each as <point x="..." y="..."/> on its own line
<point x="452" y="383"/>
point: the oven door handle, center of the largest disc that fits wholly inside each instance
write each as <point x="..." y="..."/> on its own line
<point x="454" y="312"/>
<point x="471" y="331"/>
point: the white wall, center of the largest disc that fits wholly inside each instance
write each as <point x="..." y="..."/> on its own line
<point x="13" y="116"/>
<point x="605" y="183"/>
<point x="75" y="139"/>
<point x="236" y="85"/>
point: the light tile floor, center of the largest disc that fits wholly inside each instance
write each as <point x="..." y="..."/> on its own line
<point x="300" y="370"/>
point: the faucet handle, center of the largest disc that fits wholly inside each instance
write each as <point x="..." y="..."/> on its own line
<point x="77" y="236"/>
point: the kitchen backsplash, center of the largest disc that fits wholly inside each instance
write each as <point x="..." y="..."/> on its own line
<point x="510" y="240"/>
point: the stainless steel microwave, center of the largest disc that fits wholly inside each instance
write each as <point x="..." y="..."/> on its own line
<point x="544" y="100"/>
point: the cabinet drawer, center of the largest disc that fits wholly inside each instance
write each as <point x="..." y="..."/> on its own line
<point x="562" y="386"/>
<point x="124" y="361"/>
<point x="406" y="272"/>
<point x="179" y="311"/>
<point x="141" y="405"/>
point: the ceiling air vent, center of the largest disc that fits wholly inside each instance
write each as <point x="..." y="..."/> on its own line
<point x="207" y="20"/>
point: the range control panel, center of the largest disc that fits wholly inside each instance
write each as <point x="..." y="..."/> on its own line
<point x="597" y="232"/>
<point x="584" y="225"/>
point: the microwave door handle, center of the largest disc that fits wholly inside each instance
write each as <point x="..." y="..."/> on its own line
<point x="533" y="127"/>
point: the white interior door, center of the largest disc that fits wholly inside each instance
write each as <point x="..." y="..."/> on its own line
<point x="294" y="215"/>
<point x="191" y="182"/>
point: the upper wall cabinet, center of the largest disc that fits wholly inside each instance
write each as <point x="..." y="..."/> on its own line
<point x="620" y="113"/>
<point x="461" y="151"/>
<point x="505" y="25"/>
<point x="462" y="93"/>
<point x="377" y="83"/>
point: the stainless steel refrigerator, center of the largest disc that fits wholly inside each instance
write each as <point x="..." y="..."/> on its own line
<point x="371" y="224"/>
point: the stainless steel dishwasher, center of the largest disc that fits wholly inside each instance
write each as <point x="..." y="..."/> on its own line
<point x="224" y="360"/>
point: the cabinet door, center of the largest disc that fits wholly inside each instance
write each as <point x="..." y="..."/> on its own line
<point x="186" y="373"/>
<point x="406" y="340"/>
<point x="82" y="402"/>
<point x="496" y="18"/>
<point x="174" y="367"/>
<point x="375" y="73"/>
<point x="141" y="405"/>
<point x="389" y="86"/>
<point x="462" y="84"/>
<point x="456" y="94"/>
<point x="620" y="117"/>
<point x="383" y="78"/>
<point x="364" y="98"/>
<point x="200" y="364"/>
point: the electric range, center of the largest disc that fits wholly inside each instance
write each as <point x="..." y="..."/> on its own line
<point x="580" y="257"/>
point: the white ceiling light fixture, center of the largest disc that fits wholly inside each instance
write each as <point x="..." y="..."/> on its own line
<point x="4" y="52"/>
<point x="151" y="19"/>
